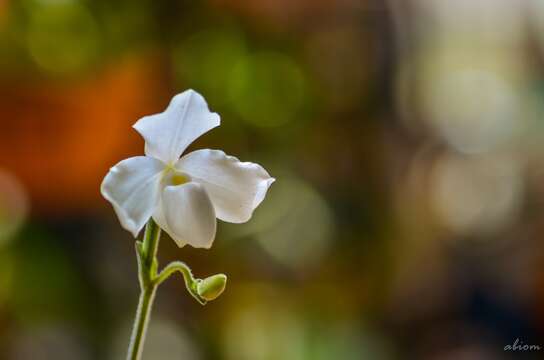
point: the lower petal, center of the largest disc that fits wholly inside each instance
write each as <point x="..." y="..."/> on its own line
<point x="187" y="215"/>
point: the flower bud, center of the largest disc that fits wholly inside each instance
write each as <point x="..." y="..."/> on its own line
<point x="211" y="287"/>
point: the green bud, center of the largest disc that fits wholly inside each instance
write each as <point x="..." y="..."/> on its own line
<point x="211" y="287"/>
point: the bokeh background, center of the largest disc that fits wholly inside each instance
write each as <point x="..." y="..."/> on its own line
<point x="407" y="139"/>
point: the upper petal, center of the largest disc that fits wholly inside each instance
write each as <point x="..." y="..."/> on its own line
<point x="132" y="186"/>
<point x="188" y="215"/>
<point x="235" y="188"/>
<point x="169" y="133"/>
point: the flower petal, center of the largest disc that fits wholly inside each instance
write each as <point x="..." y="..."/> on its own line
<point x="169" y="133"/>
<point x="132" y="186"/>
<point x="188" y="215"/>
<point x="235" y="188"/>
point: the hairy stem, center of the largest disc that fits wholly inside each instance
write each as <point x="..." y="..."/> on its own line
<point x="147" y="272"/>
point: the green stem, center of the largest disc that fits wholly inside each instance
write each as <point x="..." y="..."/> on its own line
<point x="140" y="323"/>
<point x="146" y="252"/>
<point x="190" y="282"/>
<point x="147" y="272"/>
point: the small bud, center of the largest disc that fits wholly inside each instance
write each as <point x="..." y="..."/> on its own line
<point x="211" y="287"/>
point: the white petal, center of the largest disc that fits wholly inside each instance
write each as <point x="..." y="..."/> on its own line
<point x="188" y="215"/>
<point x="169" y="133"/>
<point x="158" y="216"/>
<point x="132" y="186"/>
<point x="235" y="188"/>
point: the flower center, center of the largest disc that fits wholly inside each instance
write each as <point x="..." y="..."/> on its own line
<point x="174" y="177"/>
<point x="179" y="178"/>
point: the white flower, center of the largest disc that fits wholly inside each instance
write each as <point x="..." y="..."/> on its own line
<point x="183" y="195"/>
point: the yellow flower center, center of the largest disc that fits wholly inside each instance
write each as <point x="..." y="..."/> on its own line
<point x="174" y="177"/>
<point x="179" y="178"/>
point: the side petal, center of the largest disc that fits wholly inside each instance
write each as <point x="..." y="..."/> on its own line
<point x="188" y="215"/>
<point x="132" y="187"/>
<point x="236" y="188"/>
<point x="169" y="133"/>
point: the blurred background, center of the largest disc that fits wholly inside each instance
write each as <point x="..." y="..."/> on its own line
<point x="406" y="137"/>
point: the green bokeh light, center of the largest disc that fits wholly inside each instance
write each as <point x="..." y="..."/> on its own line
<point x="205" y="59"/>
<point x="267" y="89"/>
<point x="62" y="37"/>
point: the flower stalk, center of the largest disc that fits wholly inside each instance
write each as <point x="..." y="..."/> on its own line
<point x="146" y="253"/>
